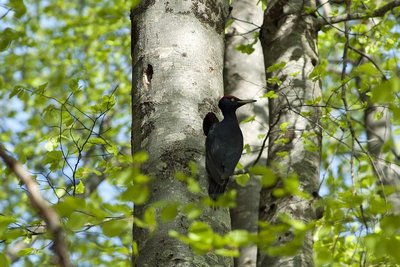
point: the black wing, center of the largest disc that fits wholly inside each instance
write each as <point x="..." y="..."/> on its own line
<point x="223" y="152"/>
<point x="208" y="121"/>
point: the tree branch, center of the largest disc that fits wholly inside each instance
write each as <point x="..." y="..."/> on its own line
<point x="47" y="213"/>
<point x="356" y="16"/>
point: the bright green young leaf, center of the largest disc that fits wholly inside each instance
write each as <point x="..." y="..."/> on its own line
<point x="149" y="218"/>
<point x="97" y="140"/>
<point x="242" y="179"/>
<point x="276" y="67"/>
<point x="270" y="94"/>
<point x="80" y="188"/>
<point x="239" y="237"/>
<point x="193" y="168"/>
<point x="283" y="126"/>
<point x="51" y="144"/>
<point x="274" y="81"/>
<point x="249" y="119"/>
<point x="26" y="252"/>
<point x="192" y="211"/>
<point x="227" y="252"/>
<point x="140" y="157"/>
<point x="193" y="186"/>
<point x="227" y="200"/>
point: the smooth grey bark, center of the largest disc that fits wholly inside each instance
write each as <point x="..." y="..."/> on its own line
<point x="177" y="64"/>
<point x="288" y="35"/>
<point x="244" y="77"/>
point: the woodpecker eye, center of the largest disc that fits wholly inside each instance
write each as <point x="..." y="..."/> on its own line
<point x="232" y="99"/>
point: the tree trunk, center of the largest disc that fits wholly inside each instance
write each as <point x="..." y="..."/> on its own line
<point x="288" y="35"/>
<point x="378" y="133"/>
<point x="244" y="77"/>
<point x="177" y="52"/>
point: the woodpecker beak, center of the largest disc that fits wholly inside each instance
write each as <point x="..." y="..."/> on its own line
<point x="244" y="102"/>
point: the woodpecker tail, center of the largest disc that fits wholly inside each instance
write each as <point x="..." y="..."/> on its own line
<point x="215" y="189"/>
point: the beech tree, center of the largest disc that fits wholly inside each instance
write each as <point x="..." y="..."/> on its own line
<point x="103" y="150"/>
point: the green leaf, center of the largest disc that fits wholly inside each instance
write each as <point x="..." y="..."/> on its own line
<point x="140" y="157"/>
<point x="141" y="179"/>
<point x="53" y="156"/>
<point x="52" y="143"/>
<point x="276" y="67"/>
<point x="135" y="248"/>
<point x="41" y="88"/>
<point x="268" y="177"/>
<point x="283" y="126"/>
<point x="97" y="140"/>
<point x="227" y="200"/>
<point x="85" y="171"/>
<point x="390" y="225"/>
<point x="227" y="252"/>
<point x="239" y="237"/>
<point x="193" y="168"/>
<point x="80" y="188"/>
<point x="137" y="193"/>
<point x="76" y="221"/>
<point x="26" y="252"/>
<point x="249" y="119"/>
<point x="323" y="255"/>
<point x="6" y="38"/>
<point x="319" y="71"/>
<point x="309" y="9"/>
<point x="4" y="260"/>
<point x="114" y="228"/>
<point x="5" y="221"/>
<point x="18" y="8"/>
<point x="16" y="90"/>
<point x="367" y="69"/>
<point x="282" y="154"/>
<point x="69" y="205"/>
<point x="193" y="186"/>
<point x="384" y="92"/>
<point x="247" y="149"/>
<point x="242" y="179"/>
<point x="274" y="80"/>
<point x="169" y="212"/>
<point x="270" y="95"/>
<point x="245" y="49"/>
<point x="149" y="218"/>
<point x="192" y="211"/>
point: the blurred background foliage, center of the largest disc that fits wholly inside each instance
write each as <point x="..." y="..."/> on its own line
<point x="65" y="113"/>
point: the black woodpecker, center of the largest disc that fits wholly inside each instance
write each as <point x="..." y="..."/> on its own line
<point x="224" y="144"/>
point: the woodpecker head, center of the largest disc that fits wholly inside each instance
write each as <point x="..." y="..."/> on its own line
<point x="231" y="103"/>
